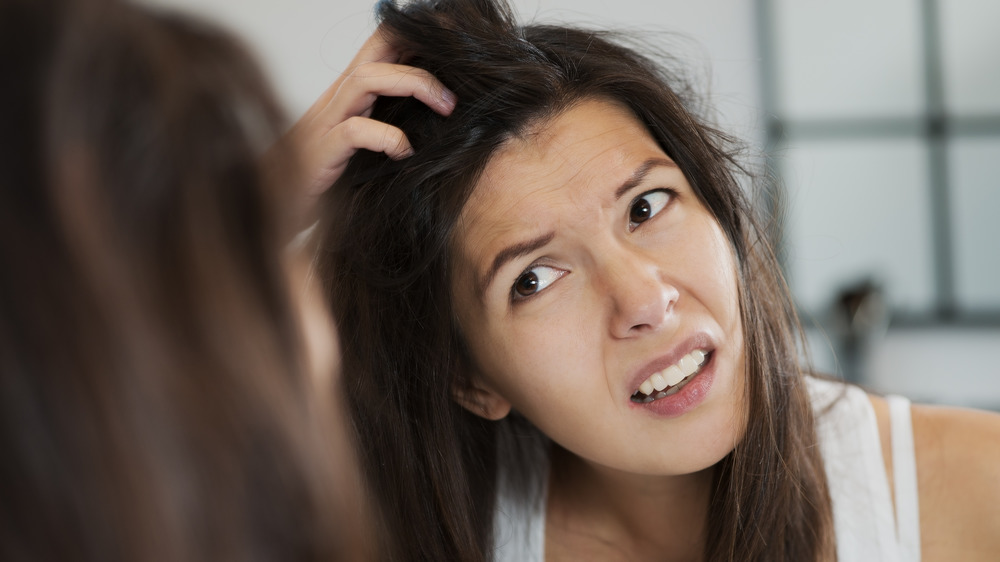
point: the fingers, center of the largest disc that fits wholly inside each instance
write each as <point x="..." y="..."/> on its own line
<point x="374" y="72"/>
<point x="375" y="49"/>
<point x="338" y="123"/>
<point x="361" y="132"/>
<point x="368" y="81"/>
<point x="326" y="158"/>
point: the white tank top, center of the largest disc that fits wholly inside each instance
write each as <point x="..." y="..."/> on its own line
<point x="867" y="525"/>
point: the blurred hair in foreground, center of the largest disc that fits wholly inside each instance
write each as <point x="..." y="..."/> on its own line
<point x="157" y="401"/>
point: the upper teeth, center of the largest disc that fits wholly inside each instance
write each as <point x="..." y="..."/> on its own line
<point x="687" y="366"/>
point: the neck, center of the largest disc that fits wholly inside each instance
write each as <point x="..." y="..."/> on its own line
<point x="601" y="510"/>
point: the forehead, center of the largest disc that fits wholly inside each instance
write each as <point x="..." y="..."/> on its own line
<point x="593" y="147"/>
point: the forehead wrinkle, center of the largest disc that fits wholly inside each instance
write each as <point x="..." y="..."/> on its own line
<point x="557" y="165"/>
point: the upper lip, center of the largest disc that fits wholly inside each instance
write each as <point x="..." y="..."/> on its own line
<point x="700" y="340"/>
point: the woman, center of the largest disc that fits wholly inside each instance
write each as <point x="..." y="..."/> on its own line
<point x="566" y="336"/>
<point x="159" y="396"/>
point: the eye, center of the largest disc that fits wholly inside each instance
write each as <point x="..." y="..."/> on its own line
<point x="535" y="280"/>
<point x="647" y="205"/>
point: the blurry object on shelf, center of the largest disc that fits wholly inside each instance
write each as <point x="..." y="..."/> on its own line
<point x="859" y="317"/>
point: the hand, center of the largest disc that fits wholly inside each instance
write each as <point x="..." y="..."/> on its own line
<point x="338" y="123"/>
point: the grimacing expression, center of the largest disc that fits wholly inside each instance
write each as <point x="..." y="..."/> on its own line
<point x="597" y="296"/>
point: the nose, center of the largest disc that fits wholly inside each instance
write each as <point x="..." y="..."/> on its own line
<point x="641" y="295"/>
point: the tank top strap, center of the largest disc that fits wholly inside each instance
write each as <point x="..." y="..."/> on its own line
<point x="904" y="476"/>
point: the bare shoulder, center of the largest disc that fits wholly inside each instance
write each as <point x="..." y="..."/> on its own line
<point x="958" y="478"/>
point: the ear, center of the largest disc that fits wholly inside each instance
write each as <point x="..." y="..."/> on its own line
<point x="478" y="398"/>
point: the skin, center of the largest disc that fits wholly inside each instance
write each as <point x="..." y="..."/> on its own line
<point x="957" y="479"/>
<point x="620" y="295"/>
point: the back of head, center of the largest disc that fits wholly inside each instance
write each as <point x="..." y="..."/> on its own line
<point x="386" y="265"/>
<point x="154" y="399"/>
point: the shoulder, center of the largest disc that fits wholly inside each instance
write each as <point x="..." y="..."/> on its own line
<point x="958" y="479"/>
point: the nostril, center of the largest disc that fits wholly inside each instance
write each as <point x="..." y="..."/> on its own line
<point x="642" y="315"/>
<point x="641" y="295"/>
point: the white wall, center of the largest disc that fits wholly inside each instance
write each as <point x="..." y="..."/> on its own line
<point x="953" y="366"/>
<point x="302" y="44"/>
<point x="956" y="366"/>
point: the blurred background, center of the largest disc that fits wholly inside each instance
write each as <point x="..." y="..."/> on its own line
<point x="881" y="120"/>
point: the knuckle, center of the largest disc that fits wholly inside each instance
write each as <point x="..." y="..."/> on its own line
<point x="400" y="142"/>
<point x="394" y="141"/>
<point x="368" y="69"/>
<point x="391" y="138"/>
<point x="358" y="73"/>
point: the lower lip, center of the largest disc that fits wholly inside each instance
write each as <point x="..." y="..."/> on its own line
<point x="686" y="399"/>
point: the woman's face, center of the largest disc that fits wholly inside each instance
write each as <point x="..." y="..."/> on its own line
<point x="589" y="278"/>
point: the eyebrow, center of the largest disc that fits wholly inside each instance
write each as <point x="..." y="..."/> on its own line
<point x="510" y="253"/>
<point x="519" y="249"/>
<point x="640" y="174"/>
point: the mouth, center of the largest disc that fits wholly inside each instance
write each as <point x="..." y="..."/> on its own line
<point x="672" y="379"/>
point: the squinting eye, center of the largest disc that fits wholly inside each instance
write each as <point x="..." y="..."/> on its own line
<point x="535" y="279"/>
<point x="646" y="206"/>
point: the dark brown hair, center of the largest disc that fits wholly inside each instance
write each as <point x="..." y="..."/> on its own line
<point x="154" y="398"/>
<point x="386" y="265"/>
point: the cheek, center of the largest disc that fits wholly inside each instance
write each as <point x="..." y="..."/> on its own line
<point x="532" y="359"/>
<point x="520" y="363"/>
<point x="716" y="279"/>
